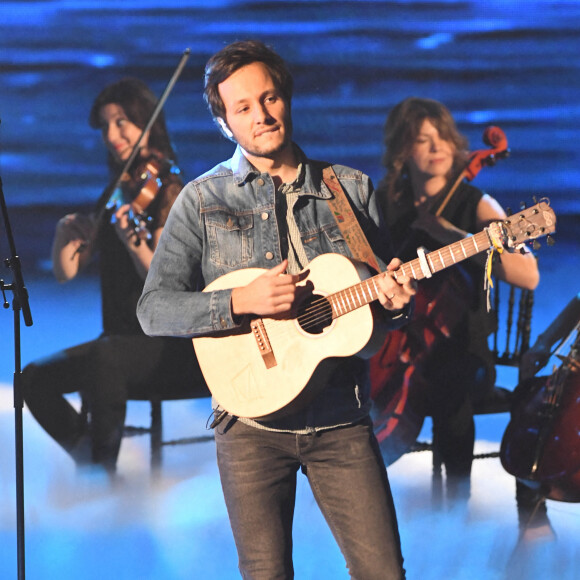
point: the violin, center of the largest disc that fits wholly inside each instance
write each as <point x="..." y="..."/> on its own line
<point x="139" y="188"/>
<point x="396" y="370"/>
<point x="145" y="182"/>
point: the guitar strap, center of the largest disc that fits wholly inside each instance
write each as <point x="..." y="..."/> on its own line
<point x="347" y="222"/>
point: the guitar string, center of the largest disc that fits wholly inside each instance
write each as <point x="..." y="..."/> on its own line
<point x="318" y="310"/>
<point x="307" y="320"/>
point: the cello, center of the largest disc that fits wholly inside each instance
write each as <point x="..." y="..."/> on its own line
<point x="395" y="371"/>
<point x="541" y="444"/>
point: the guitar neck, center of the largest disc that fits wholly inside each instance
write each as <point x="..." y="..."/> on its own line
<point x="367" y="291"/>
<point x="447" y="256"/>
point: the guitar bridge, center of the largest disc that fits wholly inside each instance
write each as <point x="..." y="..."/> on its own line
<point x="261" y="336"/>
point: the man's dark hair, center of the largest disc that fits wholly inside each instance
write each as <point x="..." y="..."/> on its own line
<point x="235" y="56"/>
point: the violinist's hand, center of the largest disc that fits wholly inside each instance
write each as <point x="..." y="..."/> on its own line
<point x="72" y="245"/>
<point x="75" y="226"/>
<point x="395" y="294"/>
<point x="128" y="233"/>
<point x="76" y="229"/>
<point x="273" y="292"/>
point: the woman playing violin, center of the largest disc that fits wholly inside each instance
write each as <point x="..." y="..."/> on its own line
<point x="122" y="362"/>
<point x="424" y="155"/>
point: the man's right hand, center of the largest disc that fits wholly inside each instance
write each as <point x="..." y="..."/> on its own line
<point x="273" y="292"/>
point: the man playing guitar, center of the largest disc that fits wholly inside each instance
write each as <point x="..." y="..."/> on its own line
<point x="265" y="215"/>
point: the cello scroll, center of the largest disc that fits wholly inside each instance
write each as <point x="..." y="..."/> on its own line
<point x="498" y="149"/>
<point x="496" y="139"/>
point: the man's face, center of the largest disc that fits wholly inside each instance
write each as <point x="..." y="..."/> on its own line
<point x="256" y="113"/>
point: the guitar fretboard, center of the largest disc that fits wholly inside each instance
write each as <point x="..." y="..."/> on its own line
<point x="367" y="291"/>
<point x="448" y="256"/>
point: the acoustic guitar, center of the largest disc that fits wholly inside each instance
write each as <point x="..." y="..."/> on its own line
<point x="272" y="366"/>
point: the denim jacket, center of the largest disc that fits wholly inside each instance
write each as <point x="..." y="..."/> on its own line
<point x="226" y="220"/>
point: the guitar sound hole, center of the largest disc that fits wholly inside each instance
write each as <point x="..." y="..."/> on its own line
<point x="315" y="315"/>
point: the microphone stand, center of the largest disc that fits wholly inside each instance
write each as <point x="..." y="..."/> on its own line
<point x="19" y="303"/>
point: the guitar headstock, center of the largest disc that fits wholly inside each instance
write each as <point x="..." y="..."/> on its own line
<point x="529" y="224"/>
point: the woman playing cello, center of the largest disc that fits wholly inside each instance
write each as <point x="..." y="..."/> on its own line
<point x="448" y="340"/>
<point x="122" y="361"/>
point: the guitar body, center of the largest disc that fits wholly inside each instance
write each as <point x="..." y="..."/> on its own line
<point x="248" y="385"/>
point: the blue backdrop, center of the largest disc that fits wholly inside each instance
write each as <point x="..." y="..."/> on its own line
<point x="514" y="64"/>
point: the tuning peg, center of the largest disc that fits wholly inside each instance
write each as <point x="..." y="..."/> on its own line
<point x="550" y="240"/>
<point x="536" y="245"/>
<point x="508" y="211"/>
<point x="522" y="205"/>
<point x="535" y="199"/>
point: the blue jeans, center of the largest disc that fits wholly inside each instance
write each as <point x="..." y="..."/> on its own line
<point x="349" y="482"/>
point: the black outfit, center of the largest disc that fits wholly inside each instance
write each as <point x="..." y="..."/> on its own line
<point x="122" y="363"/>
<point x="457" y="369"/>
